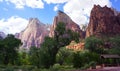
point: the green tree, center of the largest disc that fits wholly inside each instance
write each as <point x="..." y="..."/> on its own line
<point x="115" y="41"/>
<point x="50" y="47"/>
<point x="80" y="59"/>
<point x="64" y="56"/>
<point x="1" y="51"/>
<point x="115" y="45"/>
<point x="48" y="52"/>
<point x="34" y="56"/>
<point x="73" y="35"/>
<point x="94" y="44"/>
<point x="8" y="49"/>
<point x="45" y="55"/>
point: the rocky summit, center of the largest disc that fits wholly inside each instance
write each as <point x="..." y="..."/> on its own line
<point x="2" y="35"/>
<point x="62" y="17"/>
<point x="34" y="33"/>
<point x="103" y="21"/>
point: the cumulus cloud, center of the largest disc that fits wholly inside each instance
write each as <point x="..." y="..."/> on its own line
<point x="13" y="25"/>
<point x="79" y="10"/>
<point x="29" y="3"/>
<point x="56" y="7"/>
<point x="55" y="1"/>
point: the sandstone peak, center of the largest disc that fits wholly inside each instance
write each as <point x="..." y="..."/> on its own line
<point x="33" y="22"/>
<point x="62" y="17"/>
<point x="34" y="33"/>
<point x="103" y="21"/>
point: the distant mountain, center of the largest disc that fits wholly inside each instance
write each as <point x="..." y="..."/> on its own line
<point x="62" y="17"/>
<point x="2" y="35"/>
<point x="34" y="33"/>
<point x="104" y="21"/>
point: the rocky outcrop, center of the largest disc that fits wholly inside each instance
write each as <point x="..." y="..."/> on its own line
<point x="103" y="21"/>
<point x="76" y="46"/>
<point x="62" y="17"/>
<point x="2" y="35"/>
<point x="34" y="34"/>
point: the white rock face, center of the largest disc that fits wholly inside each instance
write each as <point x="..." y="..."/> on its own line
<point x="2" y="35"/>
<point x="34" y="34"/>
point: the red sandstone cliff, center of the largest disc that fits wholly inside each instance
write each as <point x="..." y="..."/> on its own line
<point x="62" y="17"/>
<point x="103" y="21"/>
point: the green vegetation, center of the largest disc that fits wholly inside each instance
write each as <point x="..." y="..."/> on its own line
<point x="114" y="45"/>
<point x="64" y="56"/>
<point x="8" y="50"/>
<point x="45" y="56"/>
<point x="81" y="59"/>
<point x="94" y="44"/>
<point x="53" y="55"/>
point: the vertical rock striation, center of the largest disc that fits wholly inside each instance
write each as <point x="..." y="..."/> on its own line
<point x="34" y="34"/>
<point x="62" y="17"/>
<point x="103" y="21"/>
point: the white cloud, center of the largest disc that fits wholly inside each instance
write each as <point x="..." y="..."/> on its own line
<point x="1" y="0"/>
<point x="56" y="7"/>
<point x="29" y="3"/>
<point x="13" y="25"/>
<point x="55" y="1"/>
<point x="79" y="10"/>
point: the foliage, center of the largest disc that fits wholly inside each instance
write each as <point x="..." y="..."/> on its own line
<point x="64" y="36"/>
<point x="17" y="68"/>
<point x="46" y="55"/>
<point x="24" y="58"/>
<point x="115" y="42"/>
<point x="60" y="29"/>
<point x="64" y="56"/>
<point x="94" y="44"/>
<point x="115" y="45"/>
<point x="48" y="52"/>
<point x="80" y="59"/>
<point x="8" y="50"/>
<point x="34" y="56"/>
<point x="73" y="35"/>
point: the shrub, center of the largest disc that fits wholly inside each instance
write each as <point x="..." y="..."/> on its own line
<point x="93" y="44"/>
<point x="81" y="59"/>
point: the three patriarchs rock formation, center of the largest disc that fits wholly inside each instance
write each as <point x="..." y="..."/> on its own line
<point x="35" y="32"/>
<point x="103" y="21"/>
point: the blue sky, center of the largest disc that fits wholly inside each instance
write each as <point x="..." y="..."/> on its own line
<point x="14" y="14"/>
<point x="45" y="14"/>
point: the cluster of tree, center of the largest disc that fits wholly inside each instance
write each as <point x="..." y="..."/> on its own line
<point x="8" y="50"/>
<point x="94" y="44"/>
<point x="110" y="45"/>
<point x="53" y="50"/>
<point x="45" y="56"/>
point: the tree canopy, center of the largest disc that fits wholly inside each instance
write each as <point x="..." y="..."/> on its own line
<point x="8" y="49"/>
<point x="51" y="45"/>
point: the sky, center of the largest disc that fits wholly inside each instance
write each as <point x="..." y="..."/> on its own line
<point x="15" y="14"/>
